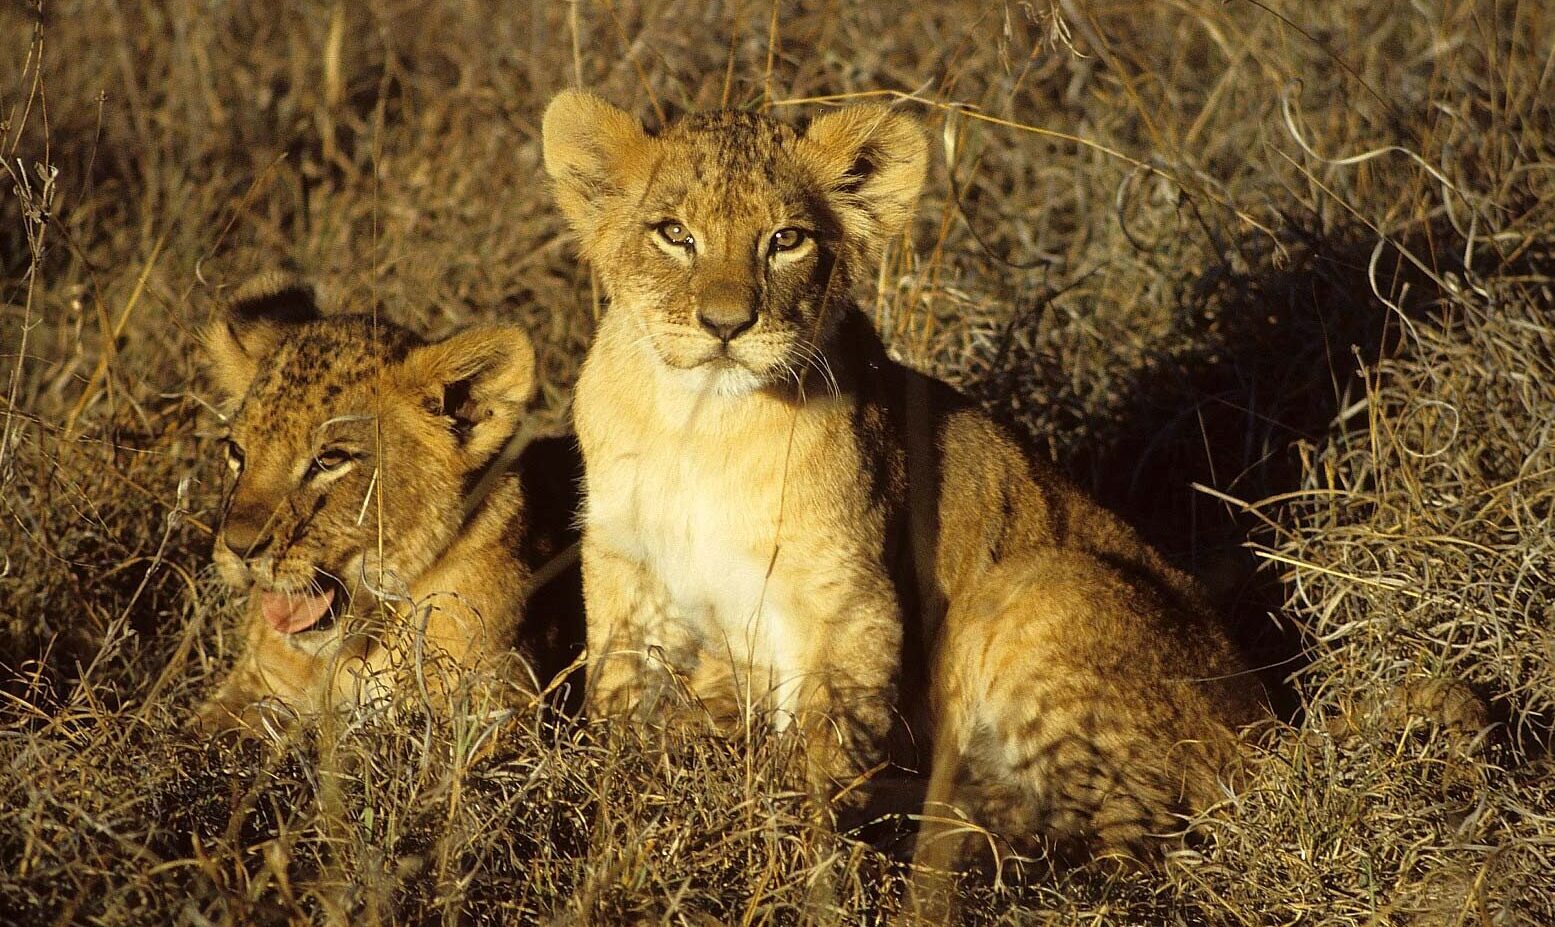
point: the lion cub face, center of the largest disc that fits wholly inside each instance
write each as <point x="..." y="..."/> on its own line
<point x="350" y="444"/>
<point x="725" y="235"/>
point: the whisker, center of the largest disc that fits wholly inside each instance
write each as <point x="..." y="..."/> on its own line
<point x="816" y="359"/>
<point x="793" y="373"/>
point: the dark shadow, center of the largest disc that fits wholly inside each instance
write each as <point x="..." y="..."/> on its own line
<point x="551" y="471"/>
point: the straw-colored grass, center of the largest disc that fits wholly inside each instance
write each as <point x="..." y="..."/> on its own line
<point x="1276" y="278"/>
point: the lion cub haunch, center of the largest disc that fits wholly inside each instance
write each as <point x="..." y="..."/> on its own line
<point x="1082" y="691"/>
<point x="354" y="447"/>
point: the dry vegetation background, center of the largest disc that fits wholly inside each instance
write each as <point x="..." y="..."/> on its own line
<point x="1300" y="254"/>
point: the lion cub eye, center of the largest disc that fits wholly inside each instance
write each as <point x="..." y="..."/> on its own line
<point x="676" y="234"/>
<point x="331" y="460"/>
<point x="787" y="239"/>
<point x="234" y="455"/>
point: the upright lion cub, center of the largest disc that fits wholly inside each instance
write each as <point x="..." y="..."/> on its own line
<point x="768" y="491"/>
<point x="354" y="447"/>
<point x="740" y="507"/>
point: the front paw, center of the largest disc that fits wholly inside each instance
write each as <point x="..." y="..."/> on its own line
<point x="625" y="686"/>
<point x="618" y="701"/>
<point x="225" y="716"/>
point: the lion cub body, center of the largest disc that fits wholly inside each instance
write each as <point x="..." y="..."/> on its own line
<point x="725" y="530"/>
<point x="350" y="521"/>
<point x="768" y="490"/>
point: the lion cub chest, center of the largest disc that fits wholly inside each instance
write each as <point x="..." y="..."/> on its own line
<point x="697" y="504"/>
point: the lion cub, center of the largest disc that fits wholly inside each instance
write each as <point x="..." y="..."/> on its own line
<point x="768" y="490"/>
<point x="740" y="510"/>
<point x="355" y="449"/>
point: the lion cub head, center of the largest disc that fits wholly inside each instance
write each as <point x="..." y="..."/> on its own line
<point x="725" y="235"/>
<point x="351" y="444"/>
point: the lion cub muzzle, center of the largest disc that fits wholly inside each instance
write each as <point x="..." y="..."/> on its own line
<point x="726" y="308"/>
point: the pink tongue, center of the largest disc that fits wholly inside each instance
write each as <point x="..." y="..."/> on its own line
<point x="290" y="613"/>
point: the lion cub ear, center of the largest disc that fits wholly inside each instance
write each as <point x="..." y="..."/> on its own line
<point x="250" y="327"/>
<point x="594" y="153"/>
<point x="479" y="379"/>
<point x="870" y="162"/>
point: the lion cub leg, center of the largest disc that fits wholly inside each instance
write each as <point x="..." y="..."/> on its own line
<point x="269" y="679"/>
<point x="942" y="837"/>
<point x="634" y="642"/>
<point x="849" y="639"/>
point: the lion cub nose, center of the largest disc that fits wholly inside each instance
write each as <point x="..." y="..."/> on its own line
<point x="245" y="541"/>
<point x="726" y="320"/>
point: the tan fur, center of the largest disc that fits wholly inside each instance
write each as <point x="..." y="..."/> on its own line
<point x="796" y="505"/>
<point x="416" y="576"/>
<point x="725" y="518"/>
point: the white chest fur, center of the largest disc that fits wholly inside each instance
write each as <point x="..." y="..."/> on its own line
<point x="699" y="489"/>
<point x="703" y="517"/>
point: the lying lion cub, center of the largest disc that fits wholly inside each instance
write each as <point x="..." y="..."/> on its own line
<point x="767" y="489"/>
<point x="353" y="518"/>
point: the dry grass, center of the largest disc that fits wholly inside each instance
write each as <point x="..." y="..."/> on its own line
<point x="1299" y="253"/>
